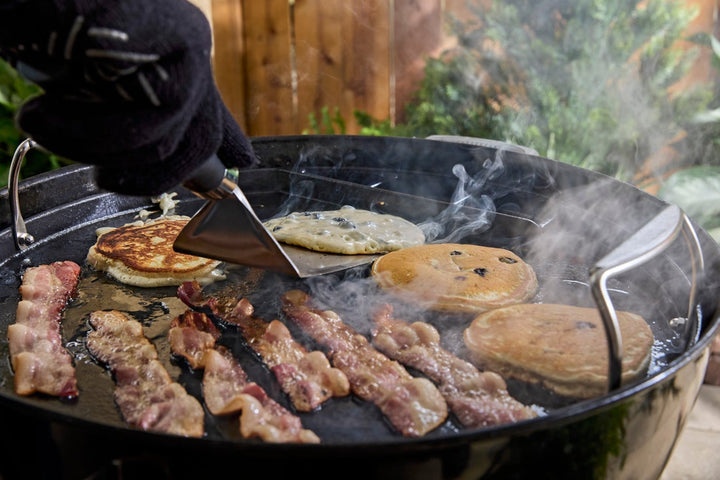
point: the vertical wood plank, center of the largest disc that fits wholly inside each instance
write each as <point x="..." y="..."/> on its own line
<point x="319" y="56"/>
<point x="418" y="35"/>
<point x="268" y="64"/>
<point x="343" y="58"/>
<point x="228" y="56"/>
<point x="368" y="77"/>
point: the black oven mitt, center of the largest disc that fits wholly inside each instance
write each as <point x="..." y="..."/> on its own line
<point x="128" y="86"/>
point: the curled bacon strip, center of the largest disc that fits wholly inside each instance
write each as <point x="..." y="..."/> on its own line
<point x="306" y="377"/>
<point x="413" y="405"/>
<point x="478" y="399"/>
<point x="226" y="388"/>
<point x="144" y="392"/>
<point x="38" y="356"/>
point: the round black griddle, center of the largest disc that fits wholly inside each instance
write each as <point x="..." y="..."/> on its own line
<point x="559" y="218"/>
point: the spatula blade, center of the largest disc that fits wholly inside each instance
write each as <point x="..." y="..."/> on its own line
<point x="229" y="230"/>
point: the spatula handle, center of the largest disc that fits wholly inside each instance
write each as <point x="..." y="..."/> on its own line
<point x="210" y="180"/>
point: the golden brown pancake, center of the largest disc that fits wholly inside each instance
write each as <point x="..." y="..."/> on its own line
<point x="456" y="277"/>
<point x="142" y="255"/>
<point x="562" y="347"/>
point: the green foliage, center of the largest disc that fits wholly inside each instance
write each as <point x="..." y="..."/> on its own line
<point x="371" y="126"/>
<point x="14" y="91"/>
<point x="582" y="81"/>
<point x="697" y="189"/>
<point x="701" y="141"/>
<point x="445" y="92"/>
<point x="327" y="124"/>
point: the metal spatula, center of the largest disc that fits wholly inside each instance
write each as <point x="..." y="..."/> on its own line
<point x="227" y="228"/>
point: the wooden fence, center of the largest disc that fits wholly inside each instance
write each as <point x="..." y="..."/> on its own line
<point x="278" y="61"/>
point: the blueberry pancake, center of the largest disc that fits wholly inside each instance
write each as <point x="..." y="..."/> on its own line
<point x="347" y="230"/>
<point x="562" y="347"/>
<point x="456" y="277"/>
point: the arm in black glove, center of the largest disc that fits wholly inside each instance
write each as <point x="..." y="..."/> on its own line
<point x="128" y="87"/>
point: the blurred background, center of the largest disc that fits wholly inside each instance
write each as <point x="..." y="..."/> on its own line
<point x="628" y="88"/>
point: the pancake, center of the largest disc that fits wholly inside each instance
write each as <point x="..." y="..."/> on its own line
<point x="456" y="277"/>
<point x="347" y="230"/>
<point x="141" y="254"/>
<point x="562" y="347"/>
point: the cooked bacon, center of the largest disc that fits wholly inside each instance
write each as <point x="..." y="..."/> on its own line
<point x="144" y="391"/>
<point x="191" y="294"/>
<point x="478" y="399"/>
<point x="191" y="335"/>
<point x="414" y="406"/>
<point x="306" y="377"/>
<point x="226" y="388"/>
<point x="38" y="356"/>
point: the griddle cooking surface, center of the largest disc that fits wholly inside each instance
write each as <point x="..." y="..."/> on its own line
<point x="346" y="421"/>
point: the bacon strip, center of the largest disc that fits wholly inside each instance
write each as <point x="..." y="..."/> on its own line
<point x="38" y="356"/>
<point x="191" y="335"/>
<point x="306" y="377"/>
<point x="144" y="392"/>
<point x="478" y="399"/>
<point x="226" y="388"/>
<point x="414" y="406"/>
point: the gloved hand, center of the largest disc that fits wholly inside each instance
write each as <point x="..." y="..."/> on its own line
<point x="128" y="87"/>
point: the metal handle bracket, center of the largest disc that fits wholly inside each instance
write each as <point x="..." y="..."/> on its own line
<point x="22" y="238"/>
<point x="653" y="238"/>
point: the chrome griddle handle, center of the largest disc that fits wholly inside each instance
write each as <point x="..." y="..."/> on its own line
<point x="20" y="234"/>
<point x="653" y="238"/>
